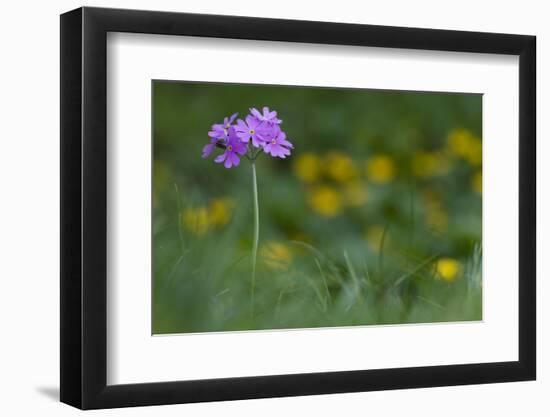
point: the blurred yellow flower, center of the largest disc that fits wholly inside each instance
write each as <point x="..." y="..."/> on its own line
<point x="340" y="167"/>
<point x="325" y="200"/>
<point x="458" y="141"/>
<point x="436" y="218"/>
<point x="196" y="220"/>
<point x="463" y="143"/>
<point x="307" y="167"/>
<point x="355" y="193"/>
<point x="430" y="164"/>
<point x="220" y="211"/>
<point x="199" y="220"/>
<point x="373" y="236"/>
<point x="448" y="269"/>
<point x="380" y="169"/>
<point x="475" y="155"/>
<point x="276" y="255"/>
<point x="477" y="182"/>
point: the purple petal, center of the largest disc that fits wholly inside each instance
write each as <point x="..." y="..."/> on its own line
<point x="232" y="134"/>
<point x="269" y="115"/>
<point x="245" y="137"/>
<point x="241" y="126"/>
<point x="214" y="135"/>
<point x="235" y="159"/>
<point x="285" y="151"/>
<point x="232" y="160"/>
<point x="257" y="141"/>
<point x="208" y="149"/>
<point x="286" y="143"/>
<point x="278" y="151"/>
<point x="220" y="158"/>
<point x="266" y="135"/>
<point x="252" y="121"/>
<point x="233" y="117"/>
<point x="255" y="113"/>
<point x="239" y="148"/>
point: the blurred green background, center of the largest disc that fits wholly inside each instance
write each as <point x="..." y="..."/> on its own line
<point x="374" y="219"/>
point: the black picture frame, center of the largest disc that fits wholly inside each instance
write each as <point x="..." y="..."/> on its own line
<point x="84" y="207"/>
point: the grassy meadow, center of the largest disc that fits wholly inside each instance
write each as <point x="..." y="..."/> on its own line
<point x="375" y="218"/>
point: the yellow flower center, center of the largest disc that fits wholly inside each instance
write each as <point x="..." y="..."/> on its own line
<point x="273" y="141"/>
<point x="251" y="131"/>
<point x="230" y="148"/>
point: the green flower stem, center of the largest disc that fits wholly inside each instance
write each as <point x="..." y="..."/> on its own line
<point x="256" y="235"/>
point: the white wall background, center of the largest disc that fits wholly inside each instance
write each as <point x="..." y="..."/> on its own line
<point x="29" y="237"/>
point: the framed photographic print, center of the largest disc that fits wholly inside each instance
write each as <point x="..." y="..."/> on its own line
<point x="258" y="208"/>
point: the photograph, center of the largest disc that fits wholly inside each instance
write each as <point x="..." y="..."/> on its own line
<point x="294" y="207"/>
<point x="250" y="209"/>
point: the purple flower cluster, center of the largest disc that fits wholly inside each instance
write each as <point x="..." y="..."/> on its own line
<point x="257" y="132"/>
